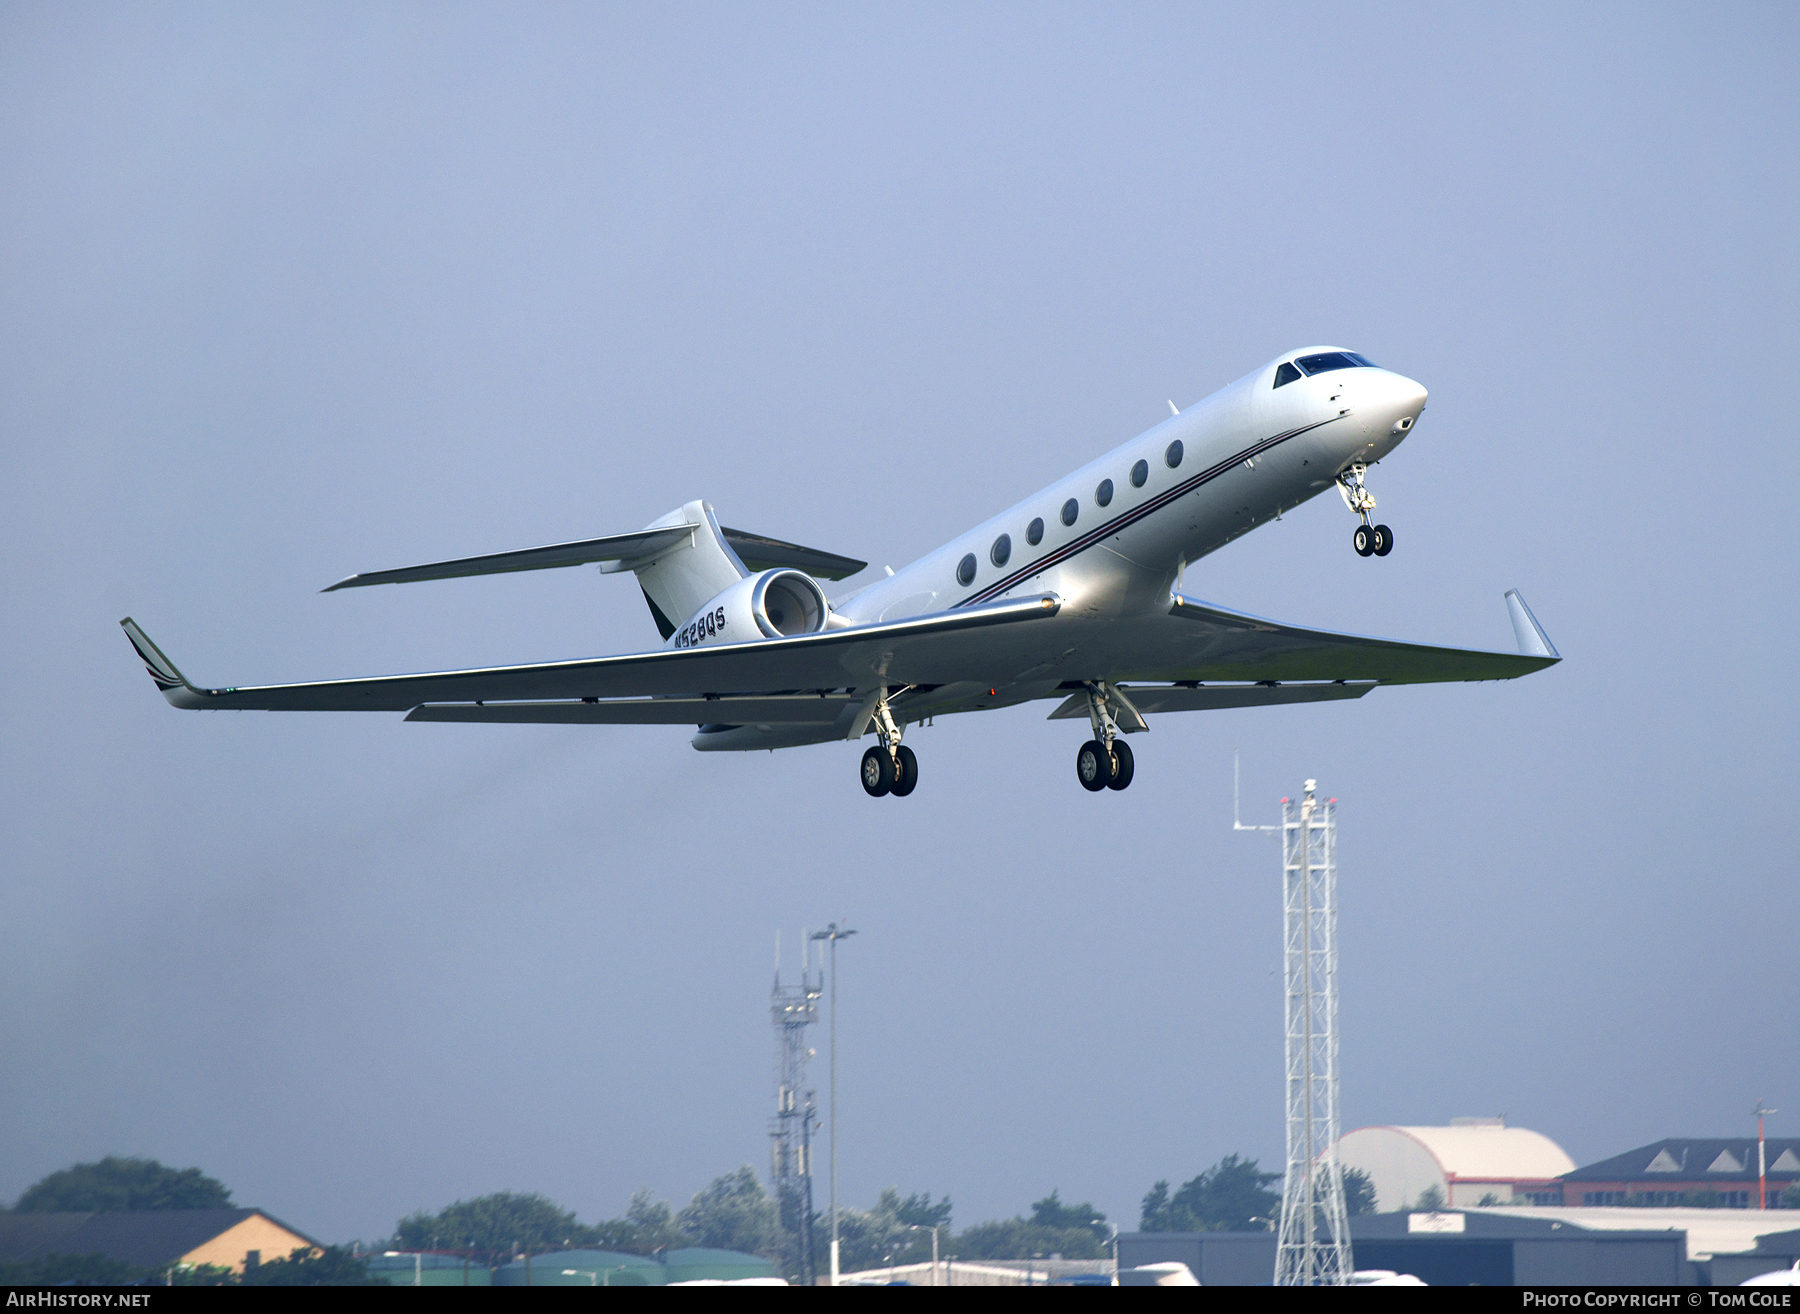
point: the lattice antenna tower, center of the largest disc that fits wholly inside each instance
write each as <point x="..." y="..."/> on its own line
<point x="1313" y="1248"/>
<point x="792" y="1010"/>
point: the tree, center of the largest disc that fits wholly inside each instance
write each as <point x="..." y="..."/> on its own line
<point x="734" y="1213"/>
<point x="1359" y="1193"/>
<point x="1051" y="1212"/>
<point x="1020" y="1238"/>
<point x="887" y="1234"/>
<point x="1231" y="1196"/>
<point x="648" y="1226"/>
<point x="917" y="1210"/>
<point x="115" y="1185"/>
<point x="1431" y="1200"/>
<point x="491" y="1226"/>
<point x="1074" y="1231"/>
<point x="305" y="1267"/>
<point x="1790" y="1198"/>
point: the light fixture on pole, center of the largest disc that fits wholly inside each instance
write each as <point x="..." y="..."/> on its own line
<point x="921" y="1227"/>
<point x="833" y="933"/>
<point x="1762" y="1161"/>
<point x="1112" y="1241"/>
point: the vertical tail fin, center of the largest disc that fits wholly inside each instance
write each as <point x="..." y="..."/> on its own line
<point x="678" y="580"/>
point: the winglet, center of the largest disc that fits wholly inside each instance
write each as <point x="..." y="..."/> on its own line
<point x="173" y="683"/>
<point x="1533" y="642"/>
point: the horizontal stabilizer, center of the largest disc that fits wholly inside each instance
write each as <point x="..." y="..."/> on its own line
<point x="615" y="547"/>
<point x="1150" y="699"/>
<point x="754" y="550"/>
<point x="759" y="553"/>
<point x="1234" y="646"/>
<point x="785" y="708"/>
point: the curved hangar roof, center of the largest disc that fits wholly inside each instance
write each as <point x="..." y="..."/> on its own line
<point x="1466" y="1160"/>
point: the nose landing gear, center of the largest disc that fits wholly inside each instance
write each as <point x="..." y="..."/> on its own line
<point x="1369" y="540"/>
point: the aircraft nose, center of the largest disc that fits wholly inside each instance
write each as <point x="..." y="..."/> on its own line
<point x="1401" y="402"/>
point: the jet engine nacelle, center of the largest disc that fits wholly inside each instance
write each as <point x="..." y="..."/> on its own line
<point x="769" y="605"/>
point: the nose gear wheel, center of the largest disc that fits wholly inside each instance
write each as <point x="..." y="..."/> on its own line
<point x="1369" y="540"/>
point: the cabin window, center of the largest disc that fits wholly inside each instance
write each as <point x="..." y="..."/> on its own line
<point x="1034" y="532"/>
<point x="1071" y="509"/>
<point x="1173" y="456"/>
<point x="1103" y="494"/>
<point x="1286" y="374"/>
<point x="1139" y="473"/>
<point x="1001" y="552"/>
<point x="965" y="570"/>
<point x="1329" y="360"/>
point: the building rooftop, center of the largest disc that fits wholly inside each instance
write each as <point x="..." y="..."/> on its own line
<point x="1730" y="1159"/>
<point x="148" y="1238"/>
<point x="1709" y="1231"/>
<point x="1487" y="1150"/>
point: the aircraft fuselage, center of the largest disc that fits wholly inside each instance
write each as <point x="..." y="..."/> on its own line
<point x="1114" y="536"/>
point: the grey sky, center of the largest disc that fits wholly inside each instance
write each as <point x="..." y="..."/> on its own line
<point x="288" y="295"/>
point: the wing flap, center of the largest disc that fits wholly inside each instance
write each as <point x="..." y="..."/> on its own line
<point x="910" y="651"/>
<point x="785" y="709"/>
<point x="1238" y="646"/>
<point x="1150" y="699"/>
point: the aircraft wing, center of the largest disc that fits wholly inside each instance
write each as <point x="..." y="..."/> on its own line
<point x="856" y="657"/>
<point x="1230" y="645"/>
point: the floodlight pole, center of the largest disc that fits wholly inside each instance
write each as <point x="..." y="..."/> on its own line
<point x="833" y="932"/>
<point x="920" y="1227"/>
<point x="1313" y="1244"/>
<point x="1762" y="1160"/>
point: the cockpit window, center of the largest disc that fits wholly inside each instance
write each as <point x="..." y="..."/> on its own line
<point x="1331" y="360"/>
<point x="1286" y="374"/>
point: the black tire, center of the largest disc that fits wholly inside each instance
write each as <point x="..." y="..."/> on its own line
<point x="1384" y="540"/>
<point x="907" y="774"/>
<point x="1122" y="765"/>
<point x="877" y="772"/>
<point x="1093" y="766"/>
<point x="1364" y="539"/>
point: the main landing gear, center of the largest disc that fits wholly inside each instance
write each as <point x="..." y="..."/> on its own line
<point x="1370" y="540"/>
<point x="890" y="768"/>
<point x="1104" y="762"/>
<point x="893" y="773"/>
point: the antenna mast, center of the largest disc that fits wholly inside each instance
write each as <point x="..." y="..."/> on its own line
<point x="792" y="1009"/>
<point x="1313" y="1249"/>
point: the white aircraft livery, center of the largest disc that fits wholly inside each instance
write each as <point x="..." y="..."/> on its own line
<point x="1073" y="594"/>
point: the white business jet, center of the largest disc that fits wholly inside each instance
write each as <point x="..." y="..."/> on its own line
<point x="1073" y="594"/>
